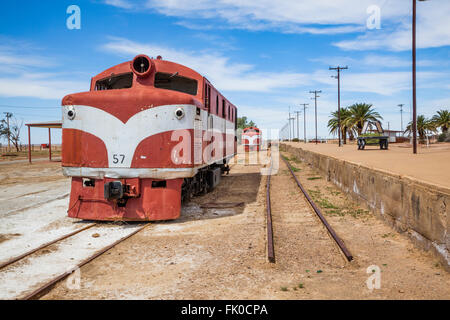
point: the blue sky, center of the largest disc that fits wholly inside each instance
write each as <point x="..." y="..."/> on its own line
<point x="264" y="56"/>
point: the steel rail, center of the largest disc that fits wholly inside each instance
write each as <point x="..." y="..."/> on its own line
<point x="333" y="234"/>
<point x="20" y="257"/>
<point x="270" y="246"/>
<point x="47" y="286"/>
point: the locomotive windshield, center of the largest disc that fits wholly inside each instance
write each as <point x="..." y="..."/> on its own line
<point x="120" y="81"/>
<point x="175" y="82"/>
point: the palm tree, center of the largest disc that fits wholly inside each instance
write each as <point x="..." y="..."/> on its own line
<point x="424" y="126"/>
<point x="359" y="114"/>
<point x="442" y="120"/>
<point x="333" y="123"/>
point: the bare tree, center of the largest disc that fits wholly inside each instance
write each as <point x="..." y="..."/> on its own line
<point x="11" y="131"/>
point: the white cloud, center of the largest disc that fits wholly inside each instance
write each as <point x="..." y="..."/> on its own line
<point x="323" y="12"/>
<point x="36" y="87"/>
<point x="225" y="75"/>
<point x="433" y="30"/>
<point x="382" y="83"/>
<point x="234" y="76"/>
<point x="25" y="77"/>
<point x="12" y="58"/>
<point x="315" y="17"/>
<point x="120" y="3"/>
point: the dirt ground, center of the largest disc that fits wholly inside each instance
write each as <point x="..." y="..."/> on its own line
<point x="23" y="155"/>
<point x="430" y="164"/>
<point x="221" y="253"/>
<point x="20" y="172"/>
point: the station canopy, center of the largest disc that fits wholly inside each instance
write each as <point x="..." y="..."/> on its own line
<point x="47" y="124"/>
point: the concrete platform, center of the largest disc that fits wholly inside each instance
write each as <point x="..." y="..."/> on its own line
<point x="430" y="164"/>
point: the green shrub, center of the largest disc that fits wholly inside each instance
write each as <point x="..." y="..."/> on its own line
<point x="444" y="137"/>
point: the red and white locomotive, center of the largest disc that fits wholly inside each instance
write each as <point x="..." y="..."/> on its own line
<point x="148" y="134"/>
<point x="251" y="139"/>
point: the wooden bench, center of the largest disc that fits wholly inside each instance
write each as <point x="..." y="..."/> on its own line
<point x="382" y="141"/>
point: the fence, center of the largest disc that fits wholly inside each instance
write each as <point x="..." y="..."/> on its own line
<point x="24" y="147"/>
<point x="284" y="132"/>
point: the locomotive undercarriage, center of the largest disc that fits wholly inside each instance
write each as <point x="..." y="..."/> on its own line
<point x="203" y="182"/>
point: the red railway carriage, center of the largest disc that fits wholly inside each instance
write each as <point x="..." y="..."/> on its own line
<point x="149" y="134"/>
<point x="251" y="139"/>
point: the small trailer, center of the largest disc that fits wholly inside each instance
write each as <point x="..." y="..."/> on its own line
<point x="381" y="140"/>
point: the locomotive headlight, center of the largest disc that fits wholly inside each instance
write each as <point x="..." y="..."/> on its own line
<point x="71" y="113"/>
<point x="179" y="113"/>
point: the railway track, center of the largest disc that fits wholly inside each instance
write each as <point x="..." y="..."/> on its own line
<point x="270" y="245"/>
<point x="48" y="285"/>
<point x="270" y="242"/>
<point x="45" y="245"/>
<point x="331" y="231"/>
<point x="16" y="274"/>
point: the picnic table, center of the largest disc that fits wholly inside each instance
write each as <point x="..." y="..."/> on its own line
<point x="382" y="141"/>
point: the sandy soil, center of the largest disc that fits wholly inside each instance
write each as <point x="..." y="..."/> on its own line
<point x="17" y="173"/>
<point x="23" y="155"/>
<point x="430" y="164"/>
<point x="221" y="253"/>
<point x="24" y="186"/>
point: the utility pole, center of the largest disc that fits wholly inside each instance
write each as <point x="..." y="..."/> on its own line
<point x="401" y="116"/>
<point x="338" y="77"/>
<point x="298" y="135"/>
<point x="315" y="105"/>
<point x="414" y="124"/>
<point x="414" y="114"/>
<point x="304" y="119"/>
<point x="289" y="122"/>
<point x="291" y="134"/>
<point x="8" y="115"/>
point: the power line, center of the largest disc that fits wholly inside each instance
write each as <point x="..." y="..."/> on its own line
<point x="289" y="119"/>
<point x="304" y="119"/>
<point x="26" y="107"/>
<point x="315" y="105"/>
<point x="298" y="135"/>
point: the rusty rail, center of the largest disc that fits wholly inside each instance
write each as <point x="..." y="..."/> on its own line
<point x="36" y="294"/>
<point x="270" y="247"/>
<point x="15" y="259"/>
<point x="333" y="234"/>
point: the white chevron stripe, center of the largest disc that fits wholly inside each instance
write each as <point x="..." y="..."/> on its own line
<point x="123" y="138"/>
<point x="251" y="140"/>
